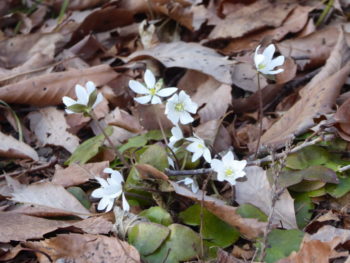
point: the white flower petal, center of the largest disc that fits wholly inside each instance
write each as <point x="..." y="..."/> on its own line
<point x="101" y="181"/>
<point x="207" y="155"/>
<point x="68" y="101"/>
<point x="90" y="87"/>
<point x="194" y="187"/>
<point x="98" y="100"/>
<point x="274" y="72"/>
<point x="276" y="62"/>
<point x="126" y="206"/>
<point x="173" y="117"/>
<point x="216" y="165"/>
<point x="185" y="118"/>
<point x="196" y="156"/>
<point x="156" y="100"/>
<point x="143" y="99"/>
<point x="82" y="96"/>
<point x="228" y="157"/>
<point x="171" y="162"/>
<point x="137" y="87"/>
<point x="149" y="78"/>
<point x="193" y="147"/>
<point x="110" y="205"/>
<point x="258" y="59"/>
<point x="166" y="92"/>
<point x="239" y="165"/>
<point x="98" y="193"/>
<point x="104" y="202"/>
<point x="177" y="132"/>
<point x="268" y="52"/>
<point x="256" y="55"/>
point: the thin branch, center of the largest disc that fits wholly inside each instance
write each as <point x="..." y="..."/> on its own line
<point x="188" y="172"/>
<point x="43" y="166"/>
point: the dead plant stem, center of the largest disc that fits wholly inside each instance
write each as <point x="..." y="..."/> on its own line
<point x="117" y="152"/>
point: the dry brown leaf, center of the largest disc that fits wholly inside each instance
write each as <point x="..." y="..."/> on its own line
<point x="18" y="50"/>
<point x="76" y="174"/>
<point x="50" y="128"/>
<point x="145" y="170"/>
<point x="314" y="48"/>
<point x="317" y="98"/>
<point x="12" y="148"/>
<point x="293" y="23"/>
<point x="21" y="227"/>
<point x="245" y="19"/>
<point x="50" y="195"/>
<point x="48" y="89"/>
<point x="209" y="93"/>
<point x="124" y="120"/>
<point x="320" y="247"/>
<point x="85" y="249"/>
<point x="93" y="225"/>
<point x="189" y="15"/>
<point x="256" y="190"/>
<point x="148" y="115"/>
<point x="189" y="55"/>
<point x="248" y="227"/>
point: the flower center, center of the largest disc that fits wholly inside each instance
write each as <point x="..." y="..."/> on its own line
<point x="228" y="172"/>
<point x="200" y="146"/>
<point x="261" y="66"/>
<point x="152" y="91"/>
<point x="179" y="106"/>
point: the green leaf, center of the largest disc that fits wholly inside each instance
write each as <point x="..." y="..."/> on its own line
<point x="79" y="194"/>
<point x="92" y="98"/>
<point x="281" y="243"/>
<point x="86" y="150"/>
<point x="250" y="211"/>
<point x="156" y="156"/>
<point x="78" y="108"/>
<point x="306" y="157"/>
<point x="147" y="237"/>
<point x="303" y="207"/>
<point x="339" y="190"/>
<point x="181" y="245"/>
<point x="134" y="142"/>
<point x="158" y="215"/>
<point x="89" y="148"/>
<point x="214" y="229"/>
<point x="316" y="177"/>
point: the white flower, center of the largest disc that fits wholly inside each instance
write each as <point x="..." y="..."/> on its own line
<point x="110" y="190"/>
<point x="87" y="99"/>
<point x="190" y="181"/>
<point x="152" y="91"/>
<point x="198" y="148"/>
<point x="265" y="63"/>
<point x="177" y="135"/>
<point x="228" y="169"/>
<point x="179" y="107"/>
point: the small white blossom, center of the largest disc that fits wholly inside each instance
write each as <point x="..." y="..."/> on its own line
<point x="179" y="107"/>
<point x="228" y="169"/>
<point x="87" y="99"/>
<point x="191" y="182"/>
<point x="265" y="63"/>
<point x="110" y="190"/>
<point x="152" y="91"/>
<point x="177" y="135"/>
<point x="198" y="148"/>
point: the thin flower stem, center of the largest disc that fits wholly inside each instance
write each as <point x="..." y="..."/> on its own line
<point x="117" y="152"/>
<point x="260" y="117"/>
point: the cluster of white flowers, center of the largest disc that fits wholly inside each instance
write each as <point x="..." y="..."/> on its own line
<point x="178" y="109"/>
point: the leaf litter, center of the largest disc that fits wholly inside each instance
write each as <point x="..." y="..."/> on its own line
<point x="52" y="161"/>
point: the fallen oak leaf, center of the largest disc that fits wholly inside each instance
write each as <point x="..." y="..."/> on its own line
<point x="48" y="89"/>
<point x="145" y="170"/>
<point x="85" y="249"/>
<point x="317" y="98"/>
<point x="12" y="148"/>
<point x="51" y="196"/>
<point x="50" y="128"/>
